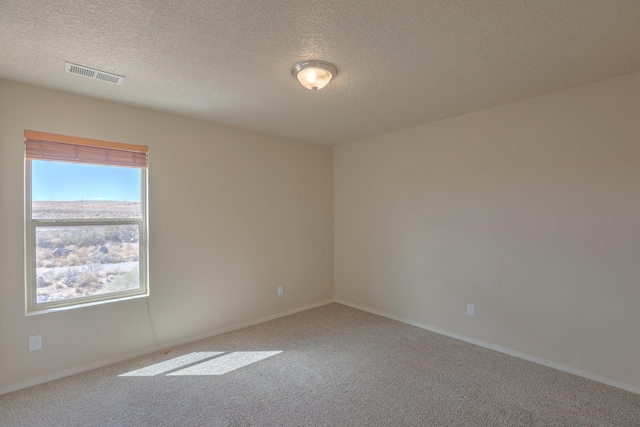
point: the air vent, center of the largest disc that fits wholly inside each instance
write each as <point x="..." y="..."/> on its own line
<point x="93" y="74"/>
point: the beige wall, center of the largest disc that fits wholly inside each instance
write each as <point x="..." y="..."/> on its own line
<point x="233" y="215"/>
<point x="530" y="211"/>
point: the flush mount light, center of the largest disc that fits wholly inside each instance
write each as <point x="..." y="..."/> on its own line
<point x="314" y="75"/>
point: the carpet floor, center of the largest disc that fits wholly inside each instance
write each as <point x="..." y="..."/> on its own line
<point x="328" y="366"/>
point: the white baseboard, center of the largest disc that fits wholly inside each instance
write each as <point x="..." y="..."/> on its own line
<point x="111" y="361"/>
<point x="77" y="370"/>
<point x="245" y="324"/>
<point x="534" y="359"/>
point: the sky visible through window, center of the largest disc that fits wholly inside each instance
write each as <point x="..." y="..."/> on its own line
<point x="63" y="181"/>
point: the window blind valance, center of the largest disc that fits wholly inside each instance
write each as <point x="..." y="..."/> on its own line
<point x="48" y="146"/>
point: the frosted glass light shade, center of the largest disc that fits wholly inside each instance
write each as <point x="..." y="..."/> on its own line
<point x="314" y="75"/>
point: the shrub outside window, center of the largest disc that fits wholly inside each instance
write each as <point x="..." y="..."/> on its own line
<point x="86" y="221"/>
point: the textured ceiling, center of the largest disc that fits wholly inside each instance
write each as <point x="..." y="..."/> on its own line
<point x="400" y="63"/>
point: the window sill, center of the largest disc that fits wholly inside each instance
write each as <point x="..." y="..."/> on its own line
<point x="38" y="311"/>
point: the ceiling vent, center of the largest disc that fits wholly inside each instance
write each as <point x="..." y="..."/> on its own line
<point x="93" y="74"/>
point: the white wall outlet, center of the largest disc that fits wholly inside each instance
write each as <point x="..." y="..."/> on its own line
<point x="35" y="342"/>
<point x="471" y="310"/>
<point x="280" y="290"/>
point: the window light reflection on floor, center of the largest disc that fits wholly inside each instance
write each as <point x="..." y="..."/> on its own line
<point x="227" y="363"/>
<point x="203" y="363"/>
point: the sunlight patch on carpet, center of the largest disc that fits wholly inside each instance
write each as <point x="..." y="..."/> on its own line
<point x="170" y="365"/>
<point x="203" y="363"/>
<point x="227" y="363"/>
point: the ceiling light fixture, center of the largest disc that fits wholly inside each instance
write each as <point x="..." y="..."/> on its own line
<point x="314" y="75"/>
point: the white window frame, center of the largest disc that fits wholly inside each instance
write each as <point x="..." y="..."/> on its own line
<point x="31" y="224"/>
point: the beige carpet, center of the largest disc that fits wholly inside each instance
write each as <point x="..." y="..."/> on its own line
<point x="329" y="366"/>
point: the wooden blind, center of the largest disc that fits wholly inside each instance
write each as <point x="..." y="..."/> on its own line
<point x="48" y="146"/>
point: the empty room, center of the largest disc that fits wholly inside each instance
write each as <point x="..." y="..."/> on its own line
<point x="320" y="213"/>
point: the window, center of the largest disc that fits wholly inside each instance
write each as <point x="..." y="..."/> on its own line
<point x="86" y="221"/>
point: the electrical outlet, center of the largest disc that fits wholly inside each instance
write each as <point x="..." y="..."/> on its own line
<point x="35" y="342"/>
<point x="471" y="310"/>
<point x="280" y="290"/>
